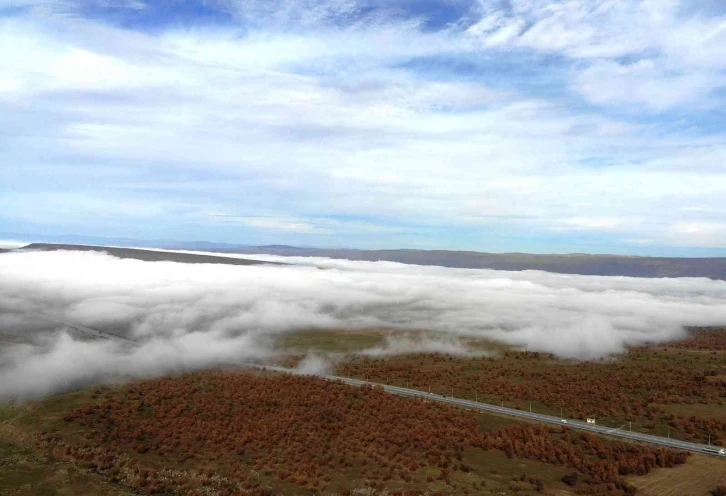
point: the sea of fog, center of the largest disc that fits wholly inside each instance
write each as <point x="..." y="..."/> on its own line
<point x="186" y="316"/>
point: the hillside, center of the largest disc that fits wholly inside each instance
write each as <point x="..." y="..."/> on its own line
<point x="583" y="264"/>
<point x="145" y="255"/>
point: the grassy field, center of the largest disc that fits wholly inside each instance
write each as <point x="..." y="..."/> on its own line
<point x="361" y="341"/>
<point x="697" y="410"/>
<point x="316" y="340"/>
<point x="27" y="471"/>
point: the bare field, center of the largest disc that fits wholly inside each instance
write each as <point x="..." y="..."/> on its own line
<point x="698" y="477"/>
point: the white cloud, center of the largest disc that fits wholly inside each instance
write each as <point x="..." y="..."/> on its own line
<point x="584" y="28"/>
<point x="349" y="114"/>
<point x="316" y="365"/>
<point x="702" y="233"/>
<point x="190" y="316"/>
<point x="643" y="83"/>
<point x="12" y="243"/>
<point x="677" y="57"/>
<point x="400" y="345"/>
<point x="590" y="223"/>
<point x="279" y="14"/>
<point x="274" y="224"/>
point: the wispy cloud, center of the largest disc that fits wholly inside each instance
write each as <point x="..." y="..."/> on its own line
<point x="274" y="223"/>
<point x="647" y="84"/>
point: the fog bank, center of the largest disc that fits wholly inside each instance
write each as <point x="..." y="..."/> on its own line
<point x="186" y="316"/>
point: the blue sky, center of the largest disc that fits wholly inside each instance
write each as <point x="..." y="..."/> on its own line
<point x="512" y="125"/>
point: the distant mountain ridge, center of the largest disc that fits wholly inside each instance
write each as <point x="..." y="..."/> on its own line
<point x="145" y="255"/>
<point x="576" y="263"/>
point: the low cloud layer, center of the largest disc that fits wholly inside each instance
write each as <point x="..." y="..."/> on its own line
<point x="400" y="345"/>
<point x="186" y="316"/>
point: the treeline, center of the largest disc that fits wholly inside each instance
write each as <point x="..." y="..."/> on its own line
<point x="229" y="433"/>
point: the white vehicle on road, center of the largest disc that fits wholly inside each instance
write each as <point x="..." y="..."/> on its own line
<point x="563" y="421"/>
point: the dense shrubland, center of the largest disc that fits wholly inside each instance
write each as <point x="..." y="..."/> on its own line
<point x="706" y="339"/>
<point x="636" y="387"/>
<point x="240" y="433"/>
<point x="603" y="464"/>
